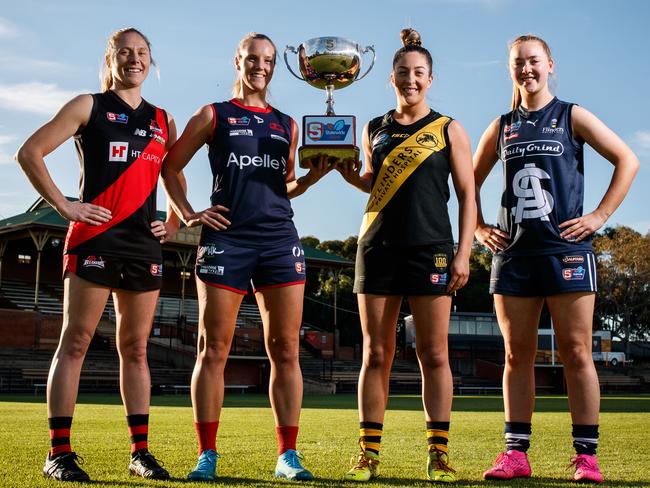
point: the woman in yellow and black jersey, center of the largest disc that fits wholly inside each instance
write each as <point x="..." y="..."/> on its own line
<point x="406" y="249"/>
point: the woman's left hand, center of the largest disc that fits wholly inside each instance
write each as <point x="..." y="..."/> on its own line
<point x="164" y="230"/>
<point x="319" y="168"/>
<point x="459" y="271"/>
<point x="576" y="230"/>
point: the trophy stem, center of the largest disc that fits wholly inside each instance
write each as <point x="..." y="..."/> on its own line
<point x="330" y="99"/>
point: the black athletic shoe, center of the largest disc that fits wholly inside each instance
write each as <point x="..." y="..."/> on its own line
<point x="65" y="468"/>
<point x="144" y="464"/>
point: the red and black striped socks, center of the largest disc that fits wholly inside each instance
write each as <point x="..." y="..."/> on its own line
<point x="59" y="435"/>
<point x="139" y="431"/>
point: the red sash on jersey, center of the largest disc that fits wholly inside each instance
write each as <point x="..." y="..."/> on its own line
<point x="127" y="194"/>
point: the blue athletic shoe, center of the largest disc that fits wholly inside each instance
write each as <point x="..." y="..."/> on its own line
<point x="289" y="467"/>
<point x="206" y="468"/>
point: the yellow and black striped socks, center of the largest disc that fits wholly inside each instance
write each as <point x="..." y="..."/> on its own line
<point x="370" y="436"/>
<point x="437" y="436"/>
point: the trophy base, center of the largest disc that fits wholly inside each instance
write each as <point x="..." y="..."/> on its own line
<point x="335" y="154"/>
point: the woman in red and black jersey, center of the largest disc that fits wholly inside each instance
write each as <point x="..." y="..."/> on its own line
<point x="248" y="236"/>
<point x="113" y="243"/>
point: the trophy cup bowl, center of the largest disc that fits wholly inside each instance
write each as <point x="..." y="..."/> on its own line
<point x="329" y="63"/>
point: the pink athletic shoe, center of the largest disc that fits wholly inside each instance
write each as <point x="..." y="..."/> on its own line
<point x="586" y="469"/>
<point x="508" y="465"/>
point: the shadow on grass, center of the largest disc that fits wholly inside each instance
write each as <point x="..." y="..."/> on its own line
<point x="481" y="403"/>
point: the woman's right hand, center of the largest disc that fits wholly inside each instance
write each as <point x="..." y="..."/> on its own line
<point x="350" y="170"/>
<point x="492" y="237"/>
<point x="212" y="217"/>
<point x="86" y="213"/>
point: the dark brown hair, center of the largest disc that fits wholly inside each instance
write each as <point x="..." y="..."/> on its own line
<point x="412" y="43"/>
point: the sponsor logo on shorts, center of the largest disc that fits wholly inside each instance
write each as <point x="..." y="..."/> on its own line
<point x="118" y="151"/>
<point x="239" y="120"/>
<point x="573" y="274"/>
<point x="209" y="250"/>
<point x="140" y="132"/>
<point x="211" y="270"/>
<point x="439" y="278"/>
<point x="241" y="132"/>
<point x="119" y="118"/>
<point x="300" y="267"/>
<point x="279" y="138"/>
<point x="156" y="269"/>
<point x="94" y="262"/>
<point x="573" y="259"/>
<point x="440" y="260"/>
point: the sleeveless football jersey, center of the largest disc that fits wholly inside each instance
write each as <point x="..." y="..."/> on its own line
<point x="543" y="179"/>
<point x="120" y="151"/>
<point x="417" y="213"/>
<point x="249" y="157"/>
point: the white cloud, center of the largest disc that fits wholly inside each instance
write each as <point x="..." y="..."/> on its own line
<point x="641" y="142"/>
<point x="7" y="29"/>
<point x="5" y="152"/>
<point x="23" y="64"/>
<point x="34" y="97"/>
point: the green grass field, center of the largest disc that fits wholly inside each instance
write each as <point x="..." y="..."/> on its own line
<point x="328" y="438"/>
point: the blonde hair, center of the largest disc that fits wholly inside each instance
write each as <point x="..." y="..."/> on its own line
<point x="105" y="74"/>
<point x="243" y="44"/>
<point x="412" y="42"/>
<point x="516" y="95"/>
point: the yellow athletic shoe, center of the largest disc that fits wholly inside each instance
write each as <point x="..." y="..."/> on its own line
<point x="366" y="467"/>
<point x="438" y="468"/>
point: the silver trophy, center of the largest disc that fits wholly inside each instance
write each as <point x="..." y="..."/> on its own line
<point x="329" y="63"/>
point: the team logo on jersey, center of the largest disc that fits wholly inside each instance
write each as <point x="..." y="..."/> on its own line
<point x="277" y="127"/>
<point x="154" y="127"/>
<point x="241" y="132"/>
<point x="259" y="120"/>
<point x="140" y="132"/>
<point x="573" y="259"/>
<point x="440" y="260"/>
<point x="94" y="262"/>
<point x="118" y="151"/>
<point x="532" y="148"/>
<point x="297" y="252"/>
<point x="156" y="269"/>
<point x="533" y="201"/>
<point x="239" y="120"/>
<point x="328" y="132"/>
<point x="264" y="161"/>
<point x="439" y="278"/>
<point x="280" y="138"/>
<point x="511" y="131"/>
<point x="427" y="139"/>
<point x="380" y="139"/>
<point x="300" y="267"/>
<point x="573" y="274"/>
<point x="119" y="118"/>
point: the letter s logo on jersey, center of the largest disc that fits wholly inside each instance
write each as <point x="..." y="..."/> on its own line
<point x="118" y="151"/>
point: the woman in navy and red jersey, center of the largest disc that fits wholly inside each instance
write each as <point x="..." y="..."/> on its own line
<point x="542" y="248"/>
<point x="113" y="243"/>
<point x="248" y="236"/>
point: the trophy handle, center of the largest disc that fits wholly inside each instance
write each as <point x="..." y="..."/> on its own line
<point x="374" y="56"/>
<point x="286" y="61"/>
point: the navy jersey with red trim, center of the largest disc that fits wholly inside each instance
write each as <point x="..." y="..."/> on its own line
<point x="249" y="158"/>
<point x="120" y="151"/>
<point x="543" y="179"/>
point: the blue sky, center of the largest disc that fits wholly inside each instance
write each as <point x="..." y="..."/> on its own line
<point x="51" y="51"/>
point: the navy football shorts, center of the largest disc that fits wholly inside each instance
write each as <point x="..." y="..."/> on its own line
<point x="543" y="275"/>
<point x="403" y="270"/>
<point x="115" y="273"/>
<point x="232" y="267"/>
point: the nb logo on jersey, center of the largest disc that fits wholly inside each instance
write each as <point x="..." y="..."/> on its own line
<point x="118" y="151"/>
<point x="534" y="202"/>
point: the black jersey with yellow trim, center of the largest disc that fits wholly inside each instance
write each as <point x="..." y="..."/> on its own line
<point x="121" y="151"/>
<point x="417" y="213"/>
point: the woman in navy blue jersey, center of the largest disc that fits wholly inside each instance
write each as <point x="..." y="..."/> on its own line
<point x="542" y="248"/>
<point x="248" y="236"/>
<point x="113" y="243"/>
